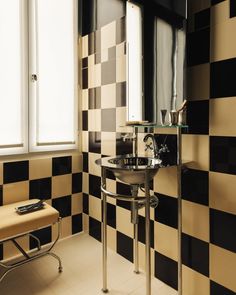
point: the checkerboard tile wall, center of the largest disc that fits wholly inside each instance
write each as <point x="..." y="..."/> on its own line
<point x="56" y="179"/>
<point x="209" y="205"/>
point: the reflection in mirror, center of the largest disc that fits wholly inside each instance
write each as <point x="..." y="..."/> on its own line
<point x="134" y="62"/>
<point x="169" y="68"/>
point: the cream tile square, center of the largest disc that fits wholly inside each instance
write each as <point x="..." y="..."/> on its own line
<point x="121" y="119"/>
<point x="40" y="168"/>
<point x="85" y="46"/>
<point x="198" y="75"/>
<point x="85" y="99"/>
<point x="94" y="120"/>
<point x="93" y="167"/>
<point x="195" y="151"/>
<point x="66" y="227"/>
<point x="165" y="182"/>
<point x="91" y="60"/>
<point x="77" y="163"/>
<point x="108" y="146"/>
<point x="220" y="12"/>
<point x="121" y="69"/>
<point x="123" y="223"/>
<point x="85" y="183"/>
<point x="120" y="49"/>
<point x="166" y="240"/>
<point x="195" y="283"/>
<point x="222" y="116"/>
<point x="108" y="35"/>
<point x="195" y="220"/>
<point x="94" y="76"/>
<point x="15" y="192"/>
<point x="111" y="238"/>
<point x="77" y="203"/>
<point x="61" y="185"/>
<point x="108" y="96"/>
<point x="111" y="187"/>
<point x="222" y="267"/>
<point x="85" y="141"/>
<point x="104" y="55"/>
<point x="223" y="40"/>
<point x="222" y="189"/>
<point x="95" y="208"/>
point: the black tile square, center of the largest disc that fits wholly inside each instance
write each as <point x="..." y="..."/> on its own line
<point x="232" y="8"/>
<point x="171" y="142"/>
<point x="223" y="154"/>
<point x="43" y="234"/>
<point x="85" y="78"/>
<point x="223" y="229"/>
<point x="41" y="188"/>
<point x="110" y="174"/>
<point x="222" y="82"/>
<point x="121" y="94"/>
<point x="123" y="189"/>
<point x="111" y="215"/>
<point x="166" y="270"/>
<point x="198" y="117"/>
<point x="198" y="47"/>
<point x="95" y="142"/>
<point x="61" y="165"/>
<point x="213" y="2"/>
<point x="15" y="171"/>
<point x="95" y="228"/>
<point x="217" y="289"/>
<point x="85" y="203"/>
<point x="123" y="147"/>
<point x="84" y="62"/>
<point x="195" y="254"/>
<point x="124" y="246"/>
<point x="108" y="72"/>
<point x="63" y="205"/>
<point x="202" y="19"/>
<point x="95" y="186"/>
<point x="167" y="210"/>
<point x="142" y="231"/>
<point x="108" y="117"/>
<point x="195" y="186"/>
<point x="76" y="183"/>
<point x="85" y="162"/>
<point x="120" y="30"/>
<point x="85" y="120"/>
<point x="94" y="96"/>
<point x="77" y="223"/>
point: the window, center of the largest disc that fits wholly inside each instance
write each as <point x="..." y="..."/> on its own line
<point x="38" y="75"/>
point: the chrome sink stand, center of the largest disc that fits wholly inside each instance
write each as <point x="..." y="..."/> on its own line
<point x="135" y="201"/>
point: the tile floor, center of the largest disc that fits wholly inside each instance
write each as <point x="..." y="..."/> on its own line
<point x="81" y="256"/>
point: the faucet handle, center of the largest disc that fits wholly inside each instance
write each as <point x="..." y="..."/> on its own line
<point x="164" y="149"/>
<point x="149" y="146"/>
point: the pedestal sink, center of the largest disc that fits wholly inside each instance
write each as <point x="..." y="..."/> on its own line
<point x="133" y="170"/>
<point x="130" y="169"/>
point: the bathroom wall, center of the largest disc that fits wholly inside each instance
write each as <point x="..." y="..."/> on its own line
<point x="209" y="204"/>
<point x="56" y="178"/>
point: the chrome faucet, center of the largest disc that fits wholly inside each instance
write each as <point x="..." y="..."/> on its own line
<point x="154" y="143"/>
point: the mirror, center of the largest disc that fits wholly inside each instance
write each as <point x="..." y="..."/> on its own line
<point x="158" y="64"/>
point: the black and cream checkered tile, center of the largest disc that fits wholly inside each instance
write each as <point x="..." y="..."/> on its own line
<point x="58" y="180"/>
<point x="209" y="206"/>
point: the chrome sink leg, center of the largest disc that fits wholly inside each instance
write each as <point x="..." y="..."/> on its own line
<point x="147" y="230"/>
<point x="134" y="220"/>
<point x="104" y="234"/>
